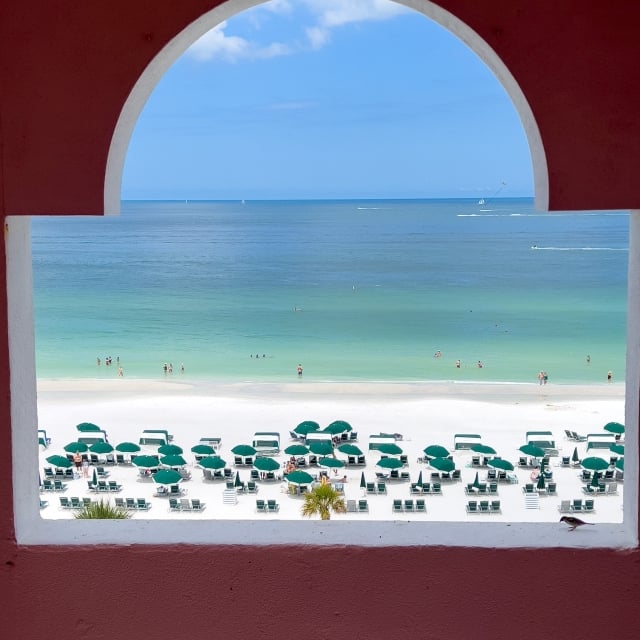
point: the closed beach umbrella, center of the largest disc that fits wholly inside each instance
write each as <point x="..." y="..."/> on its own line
<point x="332" y="463"/>
<point x="87" y="427"/>
<point x="127" y="447"/>
<point x="541" y="483"/>
<point x="389" y="463"/>
<point x="436" y="451"/>
<point x="203" y="449"/>
<point x="307" y="427"/>
<point x="147" y="462"/>
<point x="595" y="464"/>
<point x="532" y="450"/>
<point x="476" y="482"/>
<point x="173" y="461"/>
<point x="266" y="464"/>
<point x="574" y="456"/>
<point x="614" y="427"/>
<point x="338" y="426"/>
<point x="237" y="482"/>
<point x="59" y="461"/>
<point x="620" y="464"/>
<point x="94" y="479"/>
<point x="595" y="480"/>
<point x="617" y="448"/>
<point x="243" y="450"/>
<point x="212" y="462"/>
<point x="321" y="447"/>
<point x="390" y="449"/>
<point x="363" y="481"/>
<point x="419" y="483"/>
<point x="76" y="447"/>
<point x="299" y="477"/>
<point x="166" y="476"/>
<point x="484" y="449"/>
<point x="350" y="449"/>
<point x="169" y="450"/>
<point x="101" y="447"/>
<point x="442" y="464"/>
<point x="297" y="450"/>
<point x="499" y="463"/>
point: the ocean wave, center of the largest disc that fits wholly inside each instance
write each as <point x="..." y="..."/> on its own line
<point x="536" y="248"/>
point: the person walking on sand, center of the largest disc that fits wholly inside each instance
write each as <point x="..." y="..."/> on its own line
<point x="540" y="377"/>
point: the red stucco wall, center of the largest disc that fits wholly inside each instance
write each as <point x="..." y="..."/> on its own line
<point x="66" y="68"/>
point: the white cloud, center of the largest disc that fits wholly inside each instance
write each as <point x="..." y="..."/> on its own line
<point x="335" y="13"/>
<point x="216" y="44"/>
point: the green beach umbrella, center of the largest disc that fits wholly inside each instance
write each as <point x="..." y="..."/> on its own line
<point x="614" y="427"/>
<point x="94" y="480"/>
<point x="266" y="464"/>
<point x="390" y="449"/>
<point x="76" y="447"/>
<point x="212" y="462"/>
<point x="436" y="451"/>
<point x="419" y="482"/>
<point x="476" y="482"/>
<point x="308" y="426"/>
<point x="499" y="463"/>
<point x="243" y="450"/>
<point x="338" y="426"/>
<point x="617" y="448"/>
<point x="349" y="449"/>
<point x="483" y="448"/>
<point x="169" y="450"/>
<point x="147" y="462"/>
<point x="541" y="482"/>
<point x="299" y="477"/>
<point x="127" y="447"/>
<point x="389" y="463"/>
<point x="87" y="427"/>
<point x="297" y="450"/>
<point x="595" y="480"/>
<point x="173" y="461"/>
<point x="574" y="456"/>
<point x="532" y="450"/>
<point x="203" y="449"/>
<point x="363" y="481"/>
<point x="321" y="447"/>
<point x="620" y="464"/>
<point x="595" y="464"/>
<point x="60" y="461"/>
<point x="166" y="476"/>
<point x="101" y="447"/>
<point x="442" y="464"/>
<point x="333" y="463"/>
<point x="237" y="482"/>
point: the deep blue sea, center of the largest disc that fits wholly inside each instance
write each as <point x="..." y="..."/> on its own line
<point x="352" y="290"/>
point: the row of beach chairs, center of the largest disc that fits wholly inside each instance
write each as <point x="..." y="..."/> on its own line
<point x="360" y="506"/>
<point x="55" y="485"/>
<point x="74" y="502"/>
<point x="408" y="506"/>
<point x="426" y="488"/>
<point x="483" y="506"/>
<point x="104" y="486"/>
<point x="264" y="506"/>
<point x="602" y="489"/>
<point x="133" y="504"/>
<point x="482" y="488"/>
<point x="184" y="504"/>
<point x="550" y="489"/>
<point x="576" y="505"/>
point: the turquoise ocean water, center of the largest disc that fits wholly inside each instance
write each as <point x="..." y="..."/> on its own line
<point x="352" y="290"/>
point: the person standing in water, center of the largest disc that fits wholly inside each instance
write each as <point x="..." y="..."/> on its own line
<point x="299" y="370"/>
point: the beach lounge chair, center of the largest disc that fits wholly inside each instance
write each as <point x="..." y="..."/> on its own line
<point x="252" y="487"/>
<point x="528" y="488"/>
<point x="482" y="487"/>
<point x="231" y="485"/>
<point x="237" y="461"/>
<point x="397" y="506"/>
<point x="363" y="506"/>
<point x="196" y="505"/>
<point x="576" y="505"/>
<point x="588" y="506"/>
<point x="426" y="487"/>
<point x="48" y="473"/>
<point x="495" y="506"/>
<point x="86" y="502"/>
<point x="174" y="505"/>
<point x="58" y="485"/>
<point x="64" y="503"/>
<point x="371" y="487"/>
<point x="176" y="490"/>
<point x="436" y="489"/>
<point x="493" y="488"/>
<point x="131" y="503"/>
<point x="415" y="489"/>
<point x="565" y="461"/>
<point x="608" y="475"/>
<point x="612" y="489"/>
<point x="483" y="506"/>
<point x="76" y="503"/>
<point x="43" y="504"/>
<point x="394" y="474"/>
<point x="564" y="506"/>
<point x="568" y="435"/>
<point x="353" y="436"/>
<point x="470" y="490"/>
<point x="408" y="505"/>
<point x="475" y="461"/>
<point x="142" y="504"/>
<point x="578" y="438"/>
<point x="114" y="486"/>
<point x="352" y="507"/>
<point x="435" y="475"/>
<point x="472" y="506"/>
<point x="421" y="507"/>
<point x="185" y="505"/>
<point x="120" y="503"/>
<point x="382" y="487"/>
<point x="362" y="461"/>
<point x="492" y="475"/>
<point x="102" y="486"/>
<point x="102" y="472"/>
<point x="254" y="475"/>
<point x="272" y="506"/>
<point x="47" y="485"/>
<point x="552" y="489"/>
<point x="523" y="462"/>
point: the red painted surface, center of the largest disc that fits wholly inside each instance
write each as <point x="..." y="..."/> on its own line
<point x="65" y="69"/>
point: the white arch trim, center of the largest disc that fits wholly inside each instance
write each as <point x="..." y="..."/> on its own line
<point x="163" y="61"/>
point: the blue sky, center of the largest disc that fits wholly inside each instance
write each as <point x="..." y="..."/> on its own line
<point x="328" y="99"/>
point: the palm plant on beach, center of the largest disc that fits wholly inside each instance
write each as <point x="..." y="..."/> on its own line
<point x="102" y="510"/>
<point x="322" y="500"/>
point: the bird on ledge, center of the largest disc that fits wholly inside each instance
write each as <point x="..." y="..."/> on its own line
<point x="574" y="522"/>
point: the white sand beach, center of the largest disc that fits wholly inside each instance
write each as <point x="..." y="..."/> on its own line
<point x="424" y="413"/>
